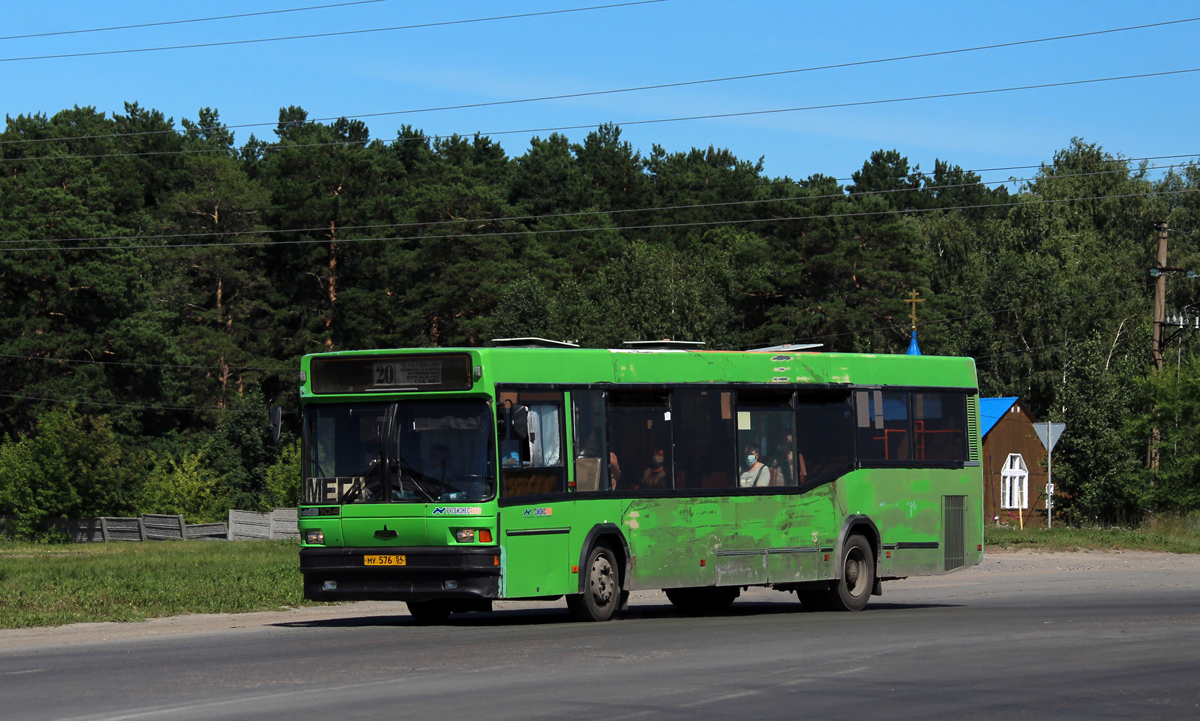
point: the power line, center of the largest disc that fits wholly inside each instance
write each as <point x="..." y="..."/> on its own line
<point x="120" y="404"/>
<point x="923" y="324"/>
<point x="1012" y="309"/>
<point x="711" y="116"/>
<point x="226" y="43"/>
<point x="617" y="211"/>
<point x="1037" y="350"/>
<point x="192" y="20"/>
<point x="983" y="314"/>
<point x="660" y="86"/>
<point x="231" y="366"/>
<point x="561" y="231"/>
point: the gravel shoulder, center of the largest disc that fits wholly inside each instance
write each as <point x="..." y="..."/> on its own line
<point x="1002" y="574"/>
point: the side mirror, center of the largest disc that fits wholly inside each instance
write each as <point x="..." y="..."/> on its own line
<point x="275" y="423"/>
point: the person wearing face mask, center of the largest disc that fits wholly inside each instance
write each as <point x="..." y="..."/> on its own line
<point x="656" y="475"/>
<point x="756" y="474"/>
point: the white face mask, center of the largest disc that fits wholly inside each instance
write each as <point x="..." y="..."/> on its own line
<point x="751" y="459"/>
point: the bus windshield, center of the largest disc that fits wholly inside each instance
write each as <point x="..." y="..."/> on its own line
<point x="405" y="452"/>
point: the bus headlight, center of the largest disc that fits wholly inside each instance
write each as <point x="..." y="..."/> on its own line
<point x="465" y="535"/>
<point x="314" y="537"/>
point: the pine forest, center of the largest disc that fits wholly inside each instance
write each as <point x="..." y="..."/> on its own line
<point x="159" y="283"/>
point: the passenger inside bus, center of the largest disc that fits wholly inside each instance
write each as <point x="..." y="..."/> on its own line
<point x="787" y="464"/>
<point x="757" y="473"/>
<point x="655" y="477"/>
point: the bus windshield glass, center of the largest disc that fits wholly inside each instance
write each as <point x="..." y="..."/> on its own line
<point x="405" y="452"/>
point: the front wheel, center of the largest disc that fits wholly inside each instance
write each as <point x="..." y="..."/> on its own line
<point x="852" y="591"/>
<point x="602" y="595"/>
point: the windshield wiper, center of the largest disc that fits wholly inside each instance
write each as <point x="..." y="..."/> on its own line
<point x="390" y="427"/>
<point x="412" y="478"/>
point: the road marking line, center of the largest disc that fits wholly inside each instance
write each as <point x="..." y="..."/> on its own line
<point x="161" y="711"/>
<point x="726" y="697"/>
<point x="847" y="671"/>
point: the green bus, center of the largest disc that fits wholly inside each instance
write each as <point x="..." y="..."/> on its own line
<point x="453" y="477"/>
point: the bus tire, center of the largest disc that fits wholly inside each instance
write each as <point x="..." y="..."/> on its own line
<point x="428" y="612"/>
<point x="852" y="591"/>
<point x="602" y="593"/>
<point x="703" y="600"/>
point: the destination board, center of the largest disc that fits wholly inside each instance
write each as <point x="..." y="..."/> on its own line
<point x="374" y="374"/>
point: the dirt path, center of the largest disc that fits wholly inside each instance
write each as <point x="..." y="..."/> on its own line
<point x="1001" y="574"/>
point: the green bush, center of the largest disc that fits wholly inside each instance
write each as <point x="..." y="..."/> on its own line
<point x="70" y="466"/>
<point x="187" y="487"/>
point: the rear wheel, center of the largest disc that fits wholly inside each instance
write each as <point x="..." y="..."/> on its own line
<point x="852" y="591"/>
<point x="429" y="612"/>
<point x="703" y="600"/>
<point x="602" y="593"/>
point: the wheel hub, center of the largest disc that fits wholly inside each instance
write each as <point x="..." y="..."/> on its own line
<point x="601" y="581"/>
<point x="853" y="570"/>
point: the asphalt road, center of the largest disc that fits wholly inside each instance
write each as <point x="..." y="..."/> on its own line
<point x="989" y="643"/>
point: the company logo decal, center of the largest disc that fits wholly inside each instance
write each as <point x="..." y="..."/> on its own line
<point x="539" y="511"/>
<point x="458" y="511"/>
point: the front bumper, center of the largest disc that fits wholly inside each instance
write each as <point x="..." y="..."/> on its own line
<point x="474" y="571"/>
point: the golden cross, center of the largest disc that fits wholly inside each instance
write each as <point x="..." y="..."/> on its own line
<point x="913" y="300"/>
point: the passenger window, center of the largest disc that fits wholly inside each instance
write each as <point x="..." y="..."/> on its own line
<point x="940" y="426"/>
<point x="766" y="440"/>
<point x="824" y="436"/>
<point x="705" y="439"/>
<point x="639" y="440"/>
<point x="530" y="431"/>
<point x="591" y="448"/>
<point x="884" y="430"/>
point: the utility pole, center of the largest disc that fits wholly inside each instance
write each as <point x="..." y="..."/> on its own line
<point x="1160" y="296"/>
<point x="1159" y="273"/>
<point x="1160" y="318"/>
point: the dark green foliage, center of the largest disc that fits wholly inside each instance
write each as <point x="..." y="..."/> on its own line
<point x="324" y="239"/>
<point x="1175" y="415"/>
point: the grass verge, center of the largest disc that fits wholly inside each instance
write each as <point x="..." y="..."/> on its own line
<point x="1168" y="537"/>
<point x="50" y="585"/>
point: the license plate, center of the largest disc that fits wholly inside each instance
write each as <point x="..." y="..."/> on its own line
<point x="383" y="560"/>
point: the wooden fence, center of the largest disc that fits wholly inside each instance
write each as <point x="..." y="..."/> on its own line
<point x="241" y="526"/>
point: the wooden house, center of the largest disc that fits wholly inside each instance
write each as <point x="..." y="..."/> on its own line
<point x="1014" y="464"/>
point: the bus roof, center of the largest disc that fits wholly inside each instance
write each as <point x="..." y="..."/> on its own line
<point x="570" y="366"/>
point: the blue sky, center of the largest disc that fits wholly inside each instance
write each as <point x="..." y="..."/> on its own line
<point x="672" y="41"/>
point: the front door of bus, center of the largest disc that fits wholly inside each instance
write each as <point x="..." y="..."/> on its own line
<point x="536" y="551"/>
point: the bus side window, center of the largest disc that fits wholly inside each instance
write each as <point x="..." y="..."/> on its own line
<point x="531" y="444"/>
<point x="824" y="435"/>
<point x="766" y="439"/>
<point x="639" y="440"/>
<point x="704" y="438"/>
<point x="591" y="447"/>
<point x="940" y="426"/>
<point x="884" y="426"/>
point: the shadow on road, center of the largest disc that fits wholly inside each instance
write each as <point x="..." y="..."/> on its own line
<point x="547" y="616"/>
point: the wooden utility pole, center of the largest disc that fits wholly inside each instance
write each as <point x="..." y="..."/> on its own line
<point x="1160" y="318"/>
<point x="1160" y="296"/>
